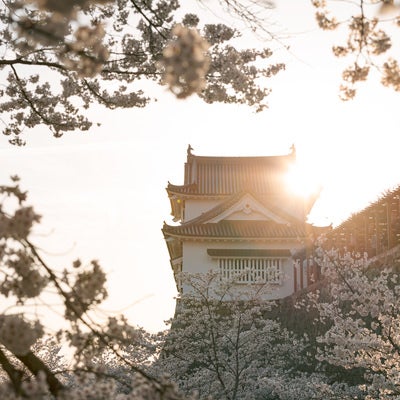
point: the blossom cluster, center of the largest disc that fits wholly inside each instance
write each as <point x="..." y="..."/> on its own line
<point x="368" y="38"/>
<point x="18" y="226"/>
<point x="363" y="315"/>
<point x="83" y="53"/>
<point x="391" y="74"/>
<point x="88" y="51"/>
<point x="87" y="289"/>
<point x="24" y="279"/>
<point x="91" y="386"/>
<point x="17" y="334"/>
<point x="185" y="62"/>
<point x="95" y="52"/>
<point x="65" y="8"/>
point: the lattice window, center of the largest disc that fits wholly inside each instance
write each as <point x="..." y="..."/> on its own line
<point x="251" y="270"/>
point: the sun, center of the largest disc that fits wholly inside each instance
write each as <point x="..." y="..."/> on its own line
<point x="302" y="180"/>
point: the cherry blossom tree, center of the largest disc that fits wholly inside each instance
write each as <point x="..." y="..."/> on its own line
<point x="371" y="27"/>
<point x="26" y="283"/>
<point x="61" y="57"/>
<point x="364" y="318"/>
<point x="227" y="342"/>
<point x="222" y="343"/>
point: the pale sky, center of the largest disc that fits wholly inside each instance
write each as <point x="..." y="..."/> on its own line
<point x="102" y="194"/>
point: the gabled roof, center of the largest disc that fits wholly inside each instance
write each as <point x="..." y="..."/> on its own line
<point x="276" y="224"/>
<point x="219" y="176"/>
<point x="265" y="206"/>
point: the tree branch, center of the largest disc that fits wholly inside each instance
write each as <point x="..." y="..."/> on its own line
<point x="16" y="61"/>
<point x="13" y="373"/>
<point x="30" y="102"/>
<point x="35" y="365"/>
<point x="148" y="20"/>
<point x="392" y="342"/>
<point x="98" y="334"/>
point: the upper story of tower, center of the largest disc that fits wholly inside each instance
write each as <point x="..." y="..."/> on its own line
<point x="209" y="181"/>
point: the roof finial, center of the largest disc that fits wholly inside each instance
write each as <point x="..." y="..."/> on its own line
<point x="189" y="150"/>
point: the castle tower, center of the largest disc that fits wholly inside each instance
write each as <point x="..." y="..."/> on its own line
<point x="237" y="217"/>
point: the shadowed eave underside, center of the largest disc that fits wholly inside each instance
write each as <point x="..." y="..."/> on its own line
<point x="260" y="230"/>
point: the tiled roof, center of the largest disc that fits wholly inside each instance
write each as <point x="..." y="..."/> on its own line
<point x="226" y="175"/>
<point x="239" y="229"/>
<point x="185" y="189"/>
<point x="373" y="230"/>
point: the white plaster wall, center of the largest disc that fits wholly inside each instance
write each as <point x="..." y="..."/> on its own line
<point x="291" y="204"/>
<point x="194" y="208"/>
<point x="241" y="216"/>
<point x="196" y="260"/>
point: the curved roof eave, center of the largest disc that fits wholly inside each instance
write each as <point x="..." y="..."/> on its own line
<point x="181" y="189"/>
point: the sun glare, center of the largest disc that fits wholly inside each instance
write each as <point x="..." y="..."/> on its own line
<point x="301" y="181"/>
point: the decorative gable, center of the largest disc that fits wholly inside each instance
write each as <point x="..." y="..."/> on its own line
<point x="248" y="208"/>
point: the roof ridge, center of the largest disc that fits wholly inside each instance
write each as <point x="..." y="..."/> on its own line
<point x="238" y="159"/>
